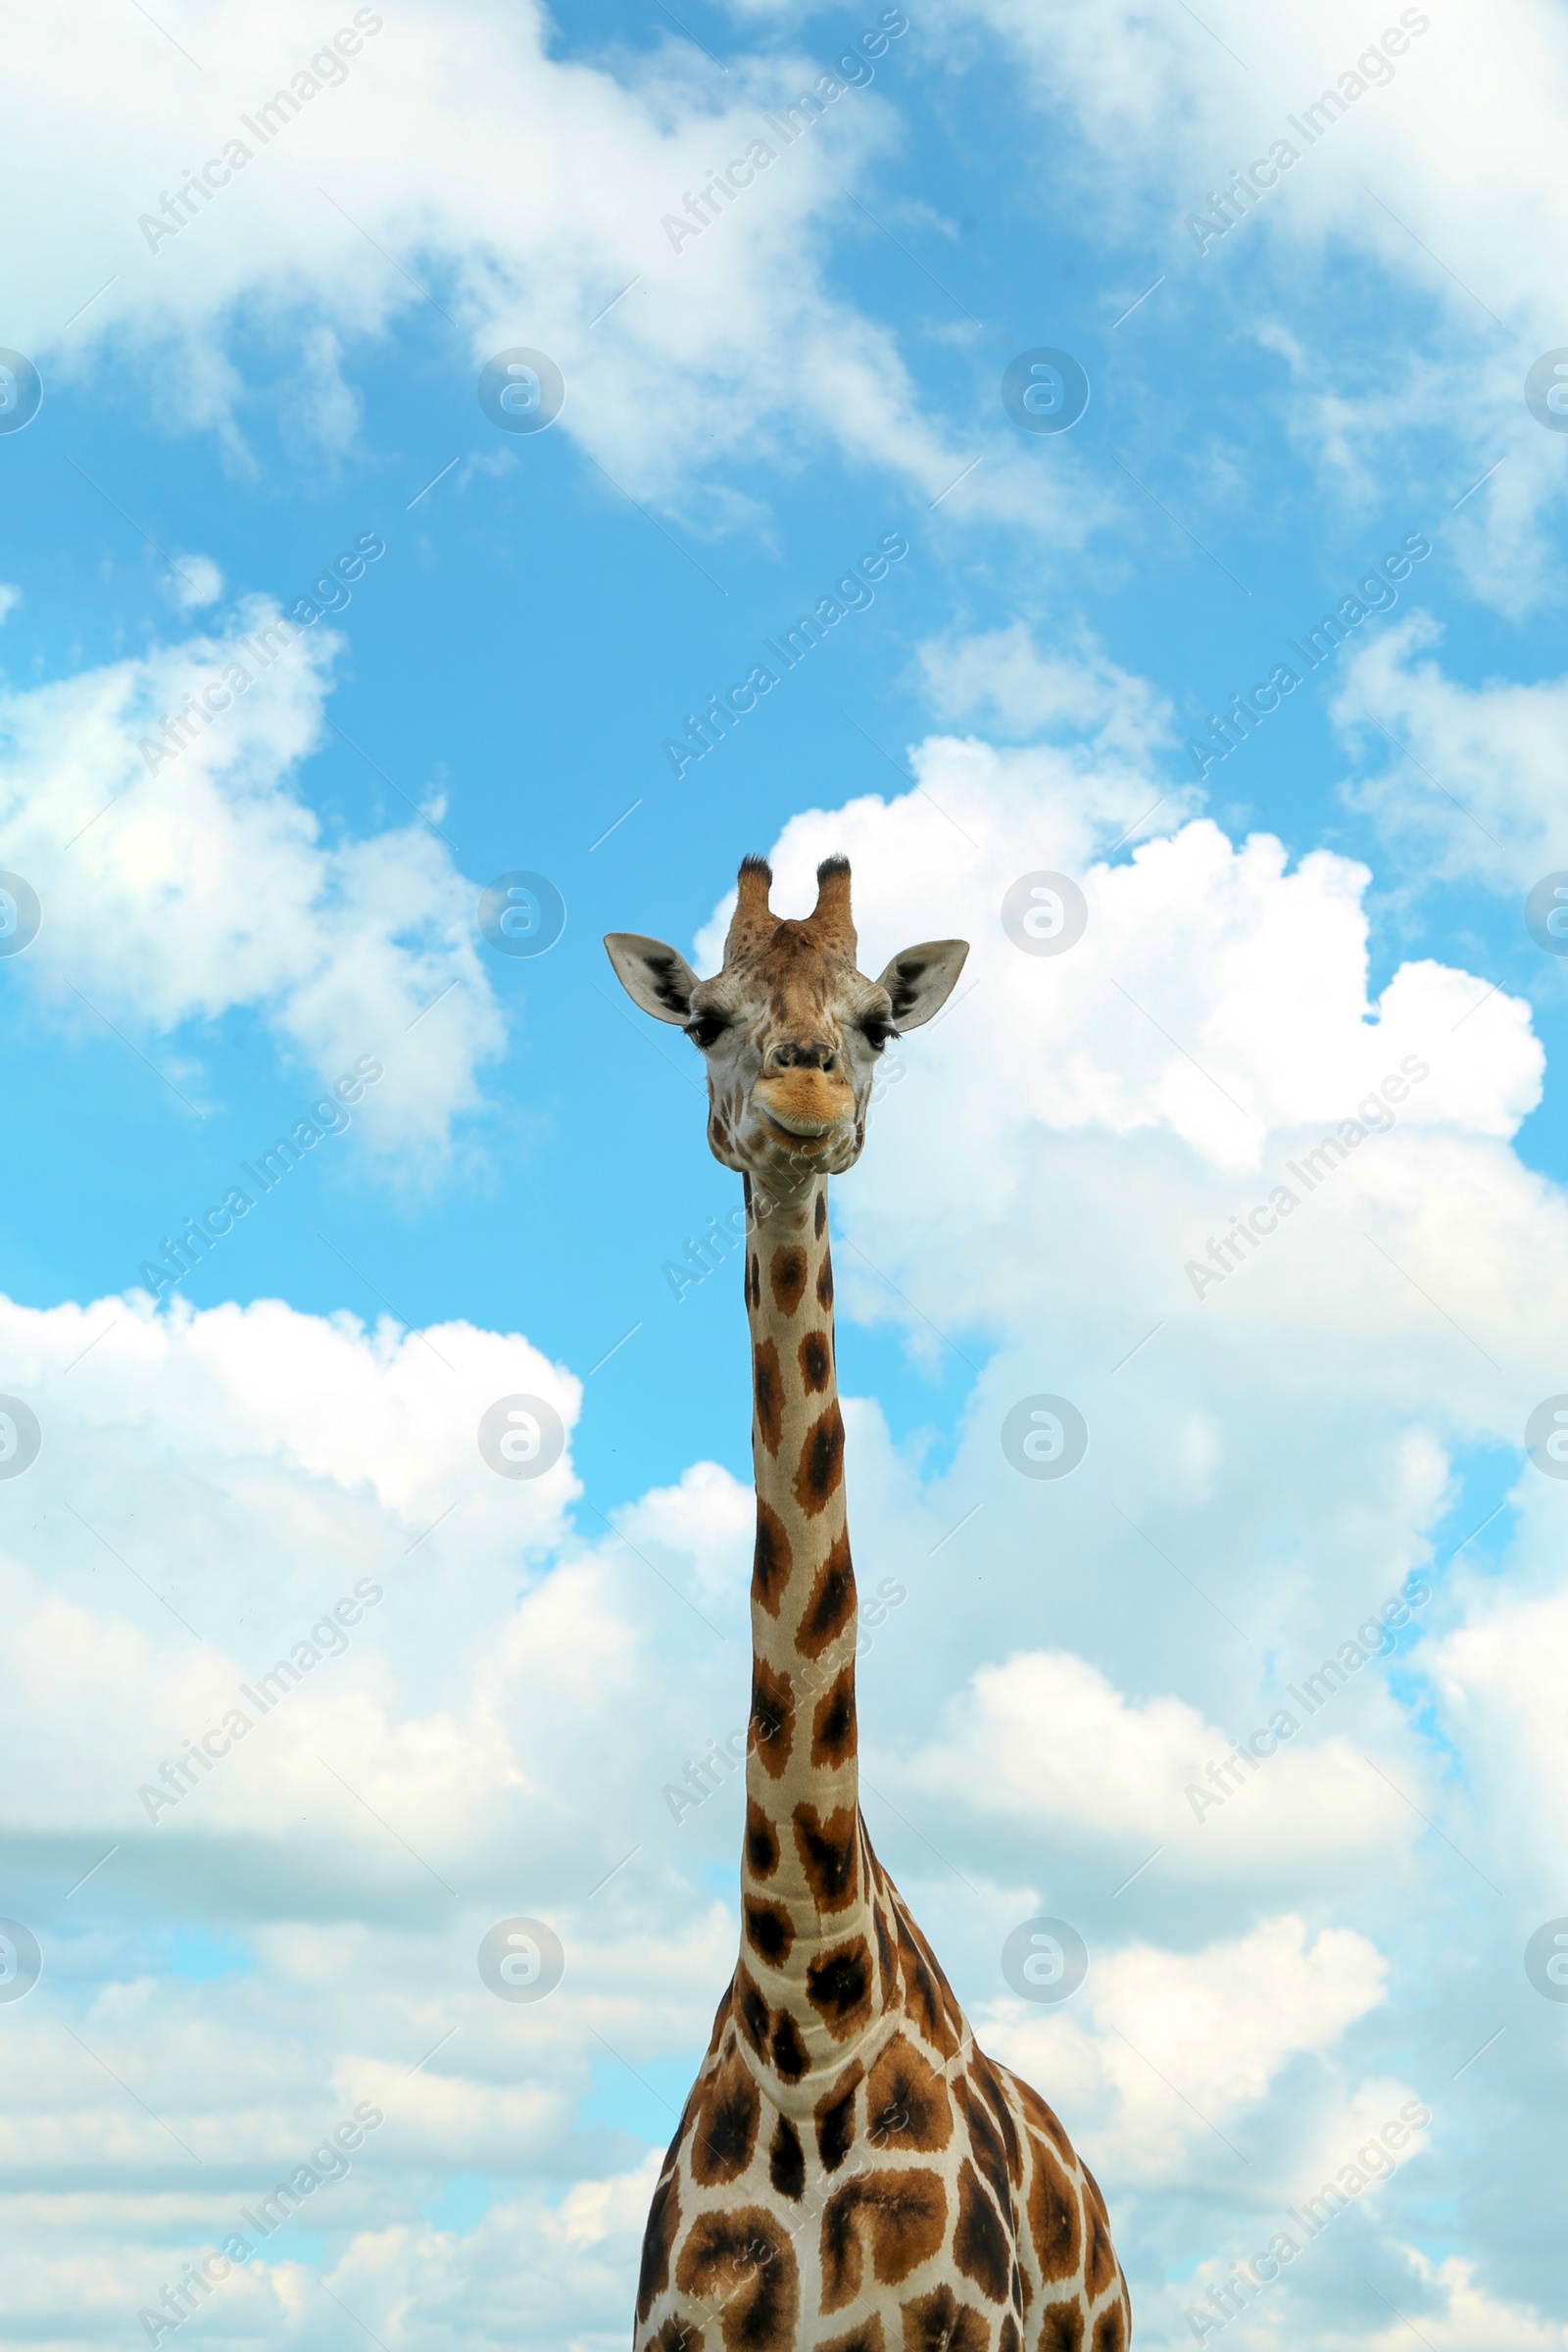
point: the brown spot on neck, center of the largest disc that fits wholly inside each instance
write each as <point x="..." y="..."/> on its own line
<point x="787" y="1275"/>
<point x="833" y="1729"/>
<point x="773" y="1718"/>
<point x="838" y="1986"/>
<point x="678" y="2335"/>
<point x="1110" y="2330"/>
<point x="768" y="1932"/>
<point x="940" y="2323"/>
<point x="1055" y="2221"/>
<point x="762" y="1842"/>
<point x="985" y="2138"/>
<point x="786" y="2161"/>
<point x="742" y="2263"/>
<point x="832" y="1602"/>
<point x="835" y="2122"/>
<point x="725" y="2133"/>
<point x="898" y="2218"/>
<point x="907" y="2098"/>
<point x="925" y="1992"/>
<point x="767" y="1389"/>
<point x="751" y="2012"/>
<point x="787" y="2050"/>
<point x="980" y="2246"/>
<point x="829" y="1850"/>
<point x="771" y="1561"/>
<point x="1101" y="2268"/>
<point x="663" y="2217"/>
<point x="821" y="1467"/>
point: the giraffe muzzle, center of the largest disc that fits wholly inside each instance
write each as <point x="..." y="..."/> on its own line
<point x="807" y="1106"/>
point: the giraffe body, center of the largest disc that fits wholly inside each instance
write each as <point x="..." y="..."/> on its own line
<point x="851" y="2172"/>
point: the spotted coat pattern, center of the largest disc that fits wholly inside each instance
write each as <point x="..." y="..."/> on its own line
<point x="851" y="2172"/>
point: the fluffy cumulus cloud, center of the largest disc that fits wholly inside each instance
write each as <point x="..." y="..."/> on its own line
<point x="328" y="1658"/>
<point x="155" y="805"/>
<point x="1050" y="1746"/>
<point x="1166" y="2048"/>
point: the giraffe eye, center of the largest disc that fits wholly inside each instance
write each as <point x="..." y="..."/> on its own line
<point x="704" y="1029"/>
<point x="876" y="1029"/>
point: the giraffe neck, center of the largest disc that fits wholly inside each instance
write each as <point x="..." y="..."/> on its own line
<point x="807" y="1984"/>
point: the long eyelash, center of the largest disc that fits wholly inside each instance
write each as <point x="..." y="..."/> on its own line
<point x="878" y="1032"/>
<point x="704" y="1029"/>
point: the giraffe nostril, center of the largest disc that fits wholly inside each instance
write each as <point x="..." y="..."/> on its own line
<point x="805" y="1053"/>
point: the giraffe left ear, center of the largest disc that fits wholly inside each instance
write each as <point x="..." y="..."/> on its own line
<point x="654" y="976"/>
<point x="921" y="979"/>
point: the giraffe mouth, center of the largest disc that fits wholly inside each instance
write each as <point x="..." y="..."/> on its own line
<point x="800" y="1131"/>
<point x="804" y="1109"/>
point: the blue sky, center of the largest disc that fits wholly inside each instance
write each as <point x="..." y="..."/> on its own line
<point x="1341" y="374"/>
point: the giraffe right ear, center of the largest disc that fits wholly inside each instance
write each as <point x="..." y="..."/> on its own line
<point x="654" y="976"/>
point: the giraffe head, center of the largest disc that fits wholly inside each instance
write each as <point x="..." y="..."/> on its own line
<point x="790" y="1030"/>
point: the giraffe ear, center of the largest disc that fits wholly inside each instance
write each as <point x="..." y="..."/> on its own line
<point x="654" y="976"/>
<point x="921" y="979"/>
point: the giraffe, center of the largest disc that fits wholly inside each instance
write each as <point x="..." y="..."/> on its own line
<point x="851" y="2173"/>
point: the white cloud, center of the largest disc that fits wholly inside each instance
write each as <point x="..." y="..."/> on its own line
<point x="174" y="896"/>
<point x="327" y="1453"/>
<point x="194" y="582"/>
<point x="1500" y="1678"/>
<point x="9" y="598"/>
<point x="737" y="347"/>
<point x="1479" y="791"/>
<point x="1170" y="2042"/>
<point x="1002" y="678"/>
<point x="560" y="2274"/>
<point x="1160" y="111"/>
<point x="471" y="1753"/>
<point x="708" y="1522"/>
<point x="1460" y="2315"/>
<point x="1049" y="1743"/>
<point x="1217" y="996"/>
<point x="1171" y="108"/>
